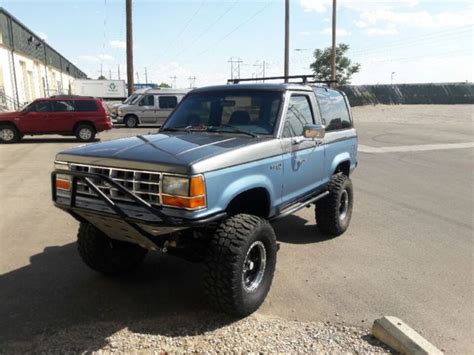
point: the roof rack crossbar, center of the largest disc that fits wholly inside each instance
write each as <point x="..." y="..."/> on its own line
<point x="305" y="79"/>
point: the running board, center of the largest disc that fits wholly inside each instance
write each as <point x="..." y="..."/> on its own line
<point x="298" y="206"/>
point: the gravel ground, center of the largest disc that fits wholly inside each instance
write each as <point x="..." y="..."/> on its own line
<point x="213" y="333"/>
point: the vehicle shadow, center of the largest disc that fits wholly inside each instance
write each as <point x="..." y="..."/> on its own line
<point x="296" y="230"/>
<point x="150" y="126"/>
<point x="56" y="293"/>
<point x="53" y="140"/>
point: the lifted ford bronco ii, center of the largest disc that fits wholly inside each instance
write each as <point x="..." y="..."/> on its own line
<point x="227" y="161"/>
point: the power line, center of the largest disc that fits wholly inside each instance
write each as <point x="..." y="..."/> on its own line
<point x="207" y="29"/>
<point x="255" y="14"/>
<point x="438" y="36"/>
<point x="180" y="33"/>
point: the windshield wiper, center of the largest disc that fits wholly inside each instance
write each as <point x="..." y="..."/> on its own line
<point x="233" y="129"/>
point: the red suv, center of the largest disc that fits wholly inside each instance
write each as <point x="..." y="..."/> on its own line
<point x="78" y="116"/>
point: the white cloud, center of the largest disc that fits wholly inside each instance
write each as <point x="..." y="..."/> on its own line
<point x="422" y="19"/>
<point x="340" y="32"/>
<point x="118" y="44"/>
<point x="304" y="33"/>
<point x="381" y="31"/>
<point x="97" y="58"/>
<point x="43" y="36"/>
<point x="315" y="5"/>
<point x="322" y="6"/>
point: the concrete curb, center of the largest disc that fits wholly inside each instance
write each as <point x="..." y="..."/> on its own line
<point x="400" y="337"/>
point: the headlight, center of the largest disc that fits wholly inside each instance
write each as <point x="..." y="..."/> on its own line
<point x="63" y="182"/>
<point x="183" y="192"/>
<point x="120" y="112"/>
<point x="175" y="185"/>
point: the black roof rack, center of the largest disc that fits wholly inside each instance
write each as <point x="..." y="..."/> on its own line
<point x="304" y="79"/>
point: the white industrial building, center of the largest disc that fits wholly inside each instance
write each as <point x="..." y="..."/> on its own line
<point x="29" y="67"/>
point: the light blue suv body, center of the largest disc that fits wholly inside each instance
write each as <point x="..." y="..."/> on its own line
<point x="227" y="160"/>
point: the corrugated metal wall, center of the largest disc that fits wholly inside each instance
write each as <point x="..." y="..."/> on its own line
<point x="448" y="93"/>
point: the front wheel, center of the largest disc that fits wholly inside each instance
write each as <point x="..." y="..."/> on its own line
<point x="333" y="213"/>
<point x="106" y="255"/>
<point x="239" y="264"/>
<point x="131" y="121"/>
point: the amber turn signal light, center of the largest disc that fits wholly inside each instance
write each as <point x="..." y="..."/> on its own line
<point x="63" y="184"/>
<point x="197" y="186"/>
<point x="184" y="202"/>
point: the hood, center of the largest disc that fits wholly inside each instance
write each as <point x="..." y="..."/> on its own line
<point x="174" y="152"/>
<point x="9" y="114"/>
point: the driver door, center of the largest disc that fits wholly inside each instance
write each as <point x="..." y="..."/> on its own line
<point x="35" y="120"/>
<point x="303" y="159"/>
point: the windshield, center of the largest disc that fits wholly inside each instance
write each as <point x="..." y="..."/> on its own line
<point x="132" y="99"/>
<point x="253" y="113"/>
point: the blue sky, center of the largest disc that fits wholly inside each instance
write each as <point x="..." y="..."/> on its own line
<point x="421" y="41"/>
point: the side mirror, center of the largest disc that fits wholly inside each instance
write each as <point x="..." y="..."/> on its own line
<point x="314" y="131"/>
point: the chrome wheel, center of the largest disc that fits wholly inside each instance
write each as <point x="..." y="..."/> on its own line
<point x="343" y="205"/>
<point x="85" y="134"/>
<point x="7" y="134"/>
<point x="254" y="266"/>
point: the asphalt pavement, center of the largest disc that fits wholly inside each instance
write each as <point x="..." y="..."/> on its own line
<point x="408" y="252"/>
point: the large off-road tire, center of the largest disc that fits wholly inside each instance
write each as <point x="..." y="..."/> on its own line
<point x="85" y="132"/>
<point x="131" y="121"/>
<point x="106" y="255"/>
<point x="239" y="264"/>
<point x="9" y="134"/>
<point x="333" y="212"/>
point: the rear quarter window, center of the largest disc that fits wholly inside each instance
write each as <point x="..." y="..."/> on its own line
<point x="167" y="102"/>
<point x="86" y="105"/>
<point x="334" y="110"/>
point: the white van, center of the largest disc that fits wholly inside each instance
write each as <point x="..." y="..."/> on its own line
<point x="148" y="106"/>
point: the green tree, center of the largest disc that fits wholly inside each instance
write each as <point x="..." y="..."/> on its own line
<point x="165" y="85"/>
<point x="101" y="77"/>
<point x="344" y="66"/>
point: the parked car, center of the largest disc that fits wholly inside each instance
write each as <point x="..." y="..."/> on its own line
<point x="150" y="106"/>
<point x="229" y="160"/>
<point x="78" y="116"/>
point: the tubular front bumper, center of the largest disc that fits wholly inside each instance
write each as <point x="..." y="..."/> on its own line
<point x="136" y="221"/>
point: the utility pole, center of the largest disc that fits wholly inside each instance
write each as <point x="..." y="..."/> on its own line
<point x="235" y="67"/>
<point x="146" y="77"/>
<point x="129" y="47"/>
<point x="287" y="39"/>
<point x="173" y="84"/>
<point x="192" y="81"/>
<point x="261" y="72"/>
<point x="391" y="78"/>
<point x="118" y="72"/>
<point x="101" y="70"/>
<point x="333" y="55"/>
<point x="110" y="74"/>
<point x="138" y="78"/>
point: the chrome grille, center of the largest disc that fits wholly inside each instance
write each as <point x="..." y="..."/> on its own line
<point x="145" y="184"/>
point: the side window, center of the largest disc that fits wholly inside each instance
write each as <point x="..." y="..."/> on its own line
<point x="63" y="106"/>
<point x="299" y="114"/>
<point x="334" y="110"/>
<point x="167" y="101"/>
<point x="41" y="106"/>
<point x="148" y="100"/>
<point x="85" y="105"/>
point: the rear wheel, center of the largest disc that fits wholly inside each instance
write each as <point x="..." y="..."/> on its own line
<point x="9" y="134"/>
<point x="333" y="213"/>
<point x="131" y="121"/>
<point x="107" y="255"/>
<point x="239" y="264"/>
<point x="85" y="133"/>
